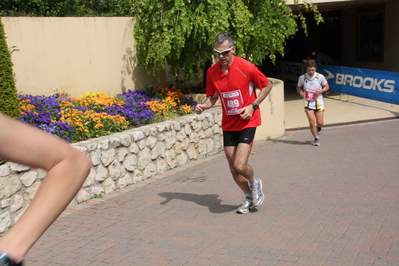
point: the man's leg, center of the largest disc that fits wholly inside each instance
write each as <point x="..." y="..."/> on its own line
<point x="237" y="157"/>
<point x="319" y="118"/>
<point x="238" y="146"/>
<point x="242" y="172"/>
<point x="310" y="114"/>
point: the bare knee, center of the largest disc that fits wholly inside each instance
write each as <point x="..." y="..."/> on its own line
<point x="81" y="163"/>
<point x="85" y="162"/>
<point x="312" y="120"/>
<point x="312" y="123"/>
<point x="319" y="122"/>
<point x="240" y="167"/>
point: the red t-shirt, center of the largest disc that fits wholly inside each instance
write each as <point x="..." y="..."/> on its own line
<point x="236" y="90"/>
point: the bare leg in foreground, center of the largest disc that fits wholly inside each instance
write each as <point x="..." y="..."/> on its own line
<point x="67" y="170"/>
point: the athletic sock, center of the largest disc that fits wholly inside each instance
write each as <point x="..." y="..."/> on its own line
<point x="255" y="182"/>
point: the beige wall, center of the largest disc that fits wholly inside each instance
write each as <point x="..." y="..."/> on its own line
<point x="272" y="111"/>
<point x="75" y="55"/>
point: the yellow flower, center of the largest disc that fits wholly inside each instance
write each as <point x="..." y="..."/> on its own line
<point x="186" y="109"/>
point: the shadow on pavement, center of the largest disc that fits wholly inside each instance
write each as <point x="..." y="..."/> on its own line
<point x="208" y="200"/>
<point x="292" y="142"/>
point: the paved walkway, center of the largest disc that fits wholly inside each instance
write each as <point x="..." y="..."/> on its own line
<point x="339" y="109"/>
<point x="336" y="204"/>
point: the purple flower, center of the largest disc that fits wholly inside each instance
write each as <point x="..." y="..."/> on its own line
<point x="188" y="100"/>
<point x="47" y="112"/>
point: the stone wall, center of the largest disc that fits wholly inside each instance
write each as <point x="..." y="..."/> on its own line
<point x="119" y="160"/>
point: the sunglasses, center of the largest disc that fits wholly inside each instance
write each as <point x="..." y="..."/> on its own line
<point x="224" y="52"/>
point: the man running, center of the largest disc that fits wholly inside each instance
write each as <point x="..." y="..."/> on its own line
<point x="311" y="87"/>
<point x="234" y="80"/>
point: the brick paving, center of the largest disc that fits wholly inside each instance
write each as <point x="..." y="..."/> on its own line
<point x="336" y="204"/>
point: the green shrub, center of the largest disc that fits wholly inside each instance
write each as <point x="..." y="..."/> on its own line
<point x="66" y="8"/>
<point x="8" y="93"/>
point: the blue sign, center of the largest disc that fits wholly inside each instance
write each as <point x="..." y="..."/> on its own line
<point x="372" y="84"/>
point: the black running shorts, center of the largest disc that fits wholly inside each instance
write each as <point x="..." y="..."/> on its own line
<point x="233" y="138"/>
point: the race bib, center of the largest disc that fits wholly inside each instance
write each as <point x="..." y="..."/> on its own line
<point x="310" y="94"/>
<point x="232" y="101"/>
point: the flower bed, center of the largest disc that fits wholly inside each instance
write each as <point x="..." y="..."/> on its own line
<point x="97" y="114"/>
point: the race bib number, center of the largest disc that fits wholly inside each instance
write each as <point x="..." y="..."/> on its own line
<point x="232" y="101"/>
<point x="310" y="94"/>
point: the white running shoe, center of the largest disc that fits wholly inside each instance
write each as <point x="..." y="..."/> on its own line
<point x="316" y="142"/>
<point x="245" y="207"/>
<point x="257" y="194"/>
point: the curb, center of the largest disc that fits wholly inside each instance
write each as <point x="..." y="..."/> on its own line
<point x="346" y="123"/>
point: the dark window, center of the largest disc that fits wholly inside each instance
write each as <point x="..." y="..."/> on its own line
<point x="330" y="35"/>
<point x="370" y="33"/>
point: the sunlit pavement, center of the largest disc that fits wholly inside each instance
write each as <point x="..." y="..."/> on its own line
<point x="336" y="204"/>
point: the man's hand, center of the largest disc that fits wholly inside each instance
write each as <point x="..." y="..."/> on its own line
<point x="209" y="102"/>
<point x="247" y="112"/>
<point x="200" y="108"/>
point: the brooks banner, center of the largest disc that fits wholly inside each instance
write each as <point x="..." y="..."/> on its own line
<point x="372" y="84"/>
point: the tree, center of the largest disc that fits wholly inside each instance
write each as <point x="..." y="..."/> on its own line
<point x="64" y="8"/>
<point x="8" y="93"/>
<point x="181" y="32"/>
